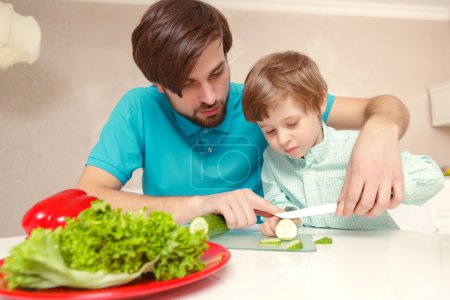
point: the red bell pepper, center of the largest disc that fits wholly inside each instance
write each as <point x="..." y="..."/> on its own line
<point x="52" y="212"/>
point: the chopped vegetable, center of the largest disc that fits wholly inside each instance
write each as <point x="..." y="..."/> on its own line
<point x="210" y="224"/>
<point x="271" y="241"/>
<point x="294" y="245"/>
<point x="104" y="247"/>
<point x="324" y="241"/>
<point x="286" y="230"/>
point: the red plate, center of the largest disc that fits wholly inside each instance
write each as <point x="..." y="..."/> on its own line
<point x="215" y="258"/>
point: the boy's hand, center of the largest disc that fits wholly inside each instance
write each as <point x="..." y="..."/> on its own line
<point x="268" y="227"/>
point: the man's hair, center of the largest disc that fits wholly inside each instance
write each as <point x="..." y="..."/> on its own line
<point x="278" y="75"/>
<point x="171" y="37"/>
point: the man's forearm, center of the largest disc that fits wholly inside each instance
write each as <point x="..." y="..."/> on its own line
<point x="183" y="209"/>
<point x="388" y="109"/>
<point x="237" y="206"/>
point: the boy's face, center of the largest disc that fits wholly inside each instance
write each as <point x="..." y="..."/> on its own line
<point x="290" y="130"/>
<point x="206" y="91"/>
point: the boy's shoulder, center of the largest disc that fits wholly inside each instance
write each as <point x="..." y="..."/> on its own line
<point x="273" y="156"/>
<point x="336" y="136"/>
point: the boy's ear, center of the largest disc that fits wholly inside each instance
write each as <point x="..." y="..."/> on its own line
<point x="323" y="105"/>
<point x="159" y="87"/>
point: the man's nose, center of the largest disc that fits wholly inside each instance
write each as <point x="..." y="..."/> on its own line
<point x="207" y="94"/>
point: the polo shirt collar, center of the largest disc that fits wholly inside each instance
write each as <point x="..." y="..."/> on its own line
<point x="190" y="128"/>
<point x="185" y="125"/>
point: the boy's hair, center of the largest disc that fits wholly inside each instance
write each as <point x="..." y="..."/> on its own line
<point x="278" y="75"/>
<point x="171" y="37"/>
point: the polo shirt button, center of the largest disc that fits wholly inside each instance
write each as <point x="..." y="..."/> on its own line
<point x="307" y="171"/>
<point x="205" y="131"/>
<point x="210" y="149"/>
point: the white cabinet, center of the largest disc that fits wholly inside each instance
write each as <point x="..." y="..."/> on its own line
<point x="442" y="206"/>
<point x="440" y="104"/>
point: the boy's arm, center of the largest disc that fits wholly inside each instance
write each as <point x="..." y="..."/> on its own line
<point x="423" y="178"/>
<point x="274" y="194"/>
<point x="272" y="191"/>
<point x="375" y="168"/>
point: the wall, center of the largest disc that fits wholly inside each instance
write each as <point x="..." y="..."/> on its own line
<point x="51" y="112"/>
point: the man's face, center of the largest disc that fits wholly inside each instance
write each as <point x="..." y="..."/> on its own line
<point x="206" y="91"/>
<point x="290" y="130"/>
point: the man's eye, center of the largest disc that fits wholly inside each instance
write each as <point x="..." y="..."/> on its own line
<point x="216" y="74"/>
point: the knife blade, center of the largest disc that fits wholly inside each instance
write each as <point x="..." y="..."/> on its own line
<point x="309" y="211"/>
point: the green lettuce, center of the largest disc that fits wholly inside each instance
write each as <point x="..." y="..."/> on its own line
<point x="105" y="247"/>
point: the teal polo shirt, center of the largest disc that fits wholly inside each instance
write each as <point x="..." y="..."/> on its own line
<point x="178" y="157"/>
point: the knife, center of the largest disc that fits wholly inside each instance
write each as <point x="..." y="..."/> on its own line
<point x="309" y="211"/>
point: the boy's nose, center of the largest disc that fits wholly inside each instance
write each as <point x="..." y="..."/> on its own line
<point x="283" y="138"/>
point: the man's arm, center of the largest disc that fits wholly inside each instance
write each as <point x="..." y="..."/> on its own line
<point x="374" y="179"/>
<point x="238" y="207"/>
<point x="352" y="113"/>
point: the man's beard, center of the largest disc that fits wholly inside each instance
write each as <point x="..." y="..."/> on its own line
<point x="206" y="122"/>
<point x="212" y="121"/>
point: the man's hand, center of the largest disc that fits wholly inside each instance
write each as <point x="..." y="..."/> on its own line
<point x="374" y="179"/>
<point x="239" y="207"/>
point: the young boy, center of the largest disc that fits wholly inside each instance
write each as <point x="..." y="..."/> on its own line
<point x="306" y="162"/>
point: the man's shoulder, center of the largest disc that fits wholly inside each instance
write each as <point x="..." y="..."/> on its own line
<point x="141" y="93"/>
<point x="236" y="85"/>
<point x="236" y="91"/>
<point x="141" y="98"/>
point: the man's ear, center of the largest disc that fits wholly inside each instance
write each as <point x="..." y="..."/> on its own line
<point x="323" y="105"/>
<point x="159" y="87"/>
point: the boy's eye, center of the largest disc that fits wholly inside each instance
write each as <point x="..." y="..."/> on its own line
<point x="269" y="132"/>
<point x="292" y="124"/>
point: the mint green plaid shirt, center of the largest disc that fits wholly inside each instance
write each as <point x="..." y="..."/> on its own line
<point x="318" y="179"/>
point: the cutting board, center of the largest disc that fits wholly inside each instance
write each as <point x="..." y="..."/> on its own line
<point x="248" y="239"/>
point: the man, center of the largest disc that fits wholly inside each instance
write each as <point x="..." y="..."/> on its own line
<point x="189" y="135"/>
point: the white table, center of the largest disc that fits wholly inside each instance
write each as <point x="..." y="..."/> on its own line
<point x="358" y="265"/>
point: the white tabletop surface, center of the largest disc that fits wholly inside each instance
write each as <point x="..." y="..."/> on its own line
<point x="358" y="265"/>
